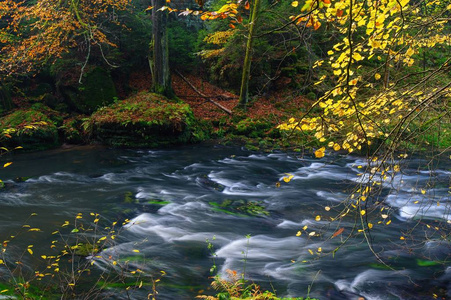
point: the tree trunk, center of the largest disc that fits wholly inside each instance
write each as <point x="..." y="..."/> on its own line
<point x="244" y="95"/>
<point x="159" y="52"/>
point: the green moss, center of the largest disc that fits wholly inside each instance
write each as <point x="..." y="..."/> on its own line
<point x="144" y="120"/>
<point x="240" y="207"/>
<point x="253" y="127"/>
<point x="32" y="130"/>
<point x="427" y="263"/>
<point x="158" y="202"/>
<point x="128" y="198"/>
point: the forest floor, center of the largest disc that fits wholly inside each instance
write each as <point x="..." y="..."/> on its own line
<point x="280" y="104"/>
<point x="254" y="127"/>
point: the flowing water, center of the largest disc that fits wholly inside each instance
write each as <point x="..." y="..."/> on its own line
<point x="177" y="199"/>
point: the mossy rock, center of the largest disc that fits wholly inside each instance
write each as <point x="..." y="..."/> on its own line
<point x="253" y="127"/>
<point x="97" y="90"/>
<point x="30" y="129"/>
<point x="240" y="208"/>
<point x="144" y="120"/>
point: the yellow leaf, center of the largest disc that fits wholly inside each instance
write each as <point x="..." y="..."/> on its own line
<point x="423" y="192"/>
<point x="337" y="147"/>
<point x="30" y="251"/>
<point x="320" y="249"/>
<point x="320" y="152"/>
<point x="136" y="250"/>
<point x="370" y="225"/>
<point x="318" y="218"/>
<point x="298" y="233"/>
<point x="402" y="238"/>
<point x="2" y="262"/>
<point x="311" y="252"/>
<point x="410" y="52"/>
<point x="389" y="222"/>
<point x="295" y="3"/>
<point x="362" y="212"/>
<point x="7" y="164"/>
<point x="327" y="208"/>
<point x="288" y="177"/>
<point x="357" y="56"/>
<point x="312" y="233"/>
<point x="377" y="76"/>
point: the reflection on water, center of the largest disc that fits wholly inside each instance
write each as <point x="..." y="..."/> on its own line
<point x="176" y="201"/>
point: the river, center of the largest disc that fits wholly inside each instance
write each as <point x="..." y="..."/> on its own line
<point x="178" y="198"/>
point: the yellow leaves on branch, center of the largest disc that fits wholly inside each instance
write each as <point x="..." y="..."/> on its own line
<point x="378" y="34"/>
<point x="219" y="37"/>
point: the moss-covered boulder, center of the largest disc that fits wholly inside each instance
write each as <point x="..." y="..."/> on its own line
<point x="30" y="129"/>
<point x="97" y="90"/>
<point x="144" y="120"/>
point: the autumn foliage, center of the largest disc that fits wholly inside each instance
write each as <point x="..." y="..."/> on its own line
<point x="365" y="105"/>
<point x="32" y="34"/>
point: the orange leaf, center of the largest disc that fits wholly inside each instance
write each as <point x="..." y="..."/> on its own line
<point x="338" y="232"/>
<point x="247" y="5"/>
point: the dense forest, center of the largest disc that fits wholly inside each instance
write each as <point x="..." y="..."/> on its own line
<point x="315" y="78"/>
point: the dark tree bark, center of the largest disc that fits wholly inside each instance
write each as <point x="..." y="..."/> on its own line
<point x="159" y="52"/>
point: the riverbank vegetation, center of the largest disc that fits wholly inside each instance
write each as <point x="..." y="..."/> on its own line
<point x="317" y="77"/>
